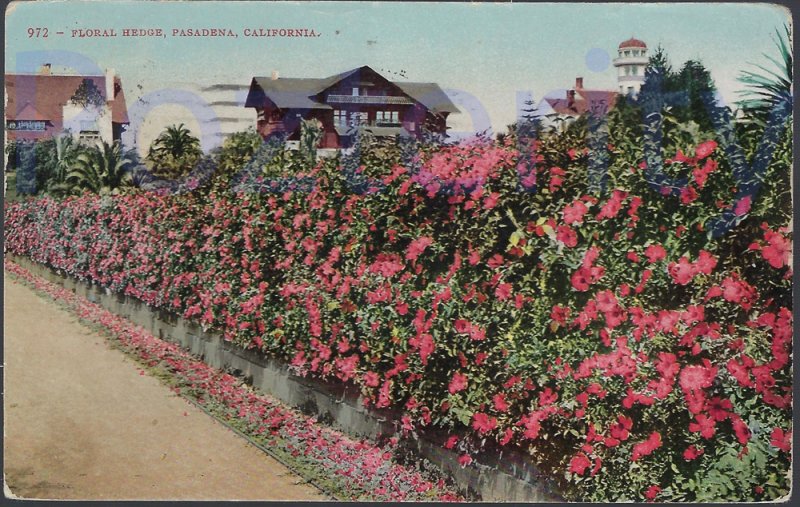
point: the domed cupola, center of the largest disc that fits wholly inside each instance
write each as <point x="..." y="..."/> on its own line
<point x="630" y="63"/>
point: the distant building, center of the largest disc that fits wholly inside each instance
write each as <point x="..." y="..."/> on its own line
<point x="579" y="100"/>
<point x="344" y="103"/>
<point x="630" y="65"/>
<point x="40" y="106"/>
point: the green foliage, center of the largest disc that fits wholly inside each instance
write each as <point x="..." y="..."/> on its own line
<point x="693" y="83"/>
<point x="174" y="153"/>
<point x="767" y="87"/>
<point x="87" y="94"/>
<point x="102" y="170"/>
<point x="234" y="154"/>
<point x="310" y="137"/>
<point x="22" y="157"/>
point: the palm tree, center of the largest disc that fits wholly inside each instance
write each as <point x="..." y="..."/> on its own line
<point x="177" y="141"/>
<point x="767" y="88"/>
<point x="174" y="152"/>
<point x="101" y="170"/>
<point x="66" y="152"/>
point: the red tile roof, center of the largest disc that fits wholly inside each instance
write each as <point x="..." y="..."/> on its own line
<point x="30" y="113"/>
<point x="47" y="94"/>
<point x="598" y="102"/>
<point x="632" y="43"/>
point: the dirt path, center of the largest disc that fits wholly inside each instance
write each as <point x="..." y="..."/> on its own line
<point x="81" y="422"/>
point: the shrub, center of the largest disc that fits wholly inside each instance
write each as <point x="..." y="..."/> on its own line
<point x="606" y="333"/>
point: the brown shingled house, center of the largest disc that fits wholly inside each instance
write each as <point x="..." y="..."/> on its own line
<point x="357" y="99"/>
<point x="41" y="105"/>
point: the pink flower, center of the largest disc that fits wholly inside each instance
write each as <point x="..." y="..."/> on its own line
<point x="613" y="205"/>
<point x="705" y="425"/>
<point x="655" y="253"/>
<point x="499" y="401"/>
<point x="491" y="200"/>
<point x="742" y="206"/>
<point x="503" y="291"/>
<point x="740" y="429"/>
<point x="573" y="213"/>
<point x="566" y="235"/>
<point x="457" y="383"/>
<point x="705" y="262"/>
<point x="697" y="377"/>
<point x="682" y="271"/>
<point x="719" y="408"/>
<point x="483" y="423"/>
<point x="418" y="246"/>
<point x="652" y="492"/>
<point x="464" y="460"/>
<point x="705" y="149"/>
<point x="579" y="464"/>
<point x="692" y="452"/>
<point x="621" y="429"/>
<point x="647" y="447"/>
<point x="532" y="425"/>
<point x="777" y="250"/>
<point x="781" y="439"/>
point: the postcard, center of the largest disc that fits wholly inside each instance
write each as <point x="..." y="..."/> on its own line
<point x="398" y="251"/>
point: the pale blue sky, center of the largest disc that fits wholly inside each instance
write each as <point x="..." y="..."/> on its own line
<point x="487" y="51"/>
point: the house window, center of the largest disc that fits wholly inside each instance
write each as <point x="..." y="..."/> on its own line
<point x="355" y="92"/>
<point x="359" y="118"/>
<point x="25" y="125"/>
<point x="340" y="118"/>
<point x="387" y="117"/>
<point x="89" y="135"/>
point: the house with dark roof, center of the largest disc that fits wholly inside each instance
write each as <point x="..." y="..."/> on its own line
<point x="359" y="99"/>
<point x="42" y="105"/>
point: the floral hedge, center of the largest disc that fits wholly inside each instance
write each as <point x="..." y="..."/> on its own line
<point x="347" y="468"/>
<point x="606" y="333"/>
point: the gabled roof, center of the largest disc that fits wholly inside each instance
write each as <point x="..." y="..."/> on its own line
<point x="48" y="94"/>
<point x="30" y="113"/>
<point x="299" y="93"/>
<point x="597" y="101"/>
<point x="429" y="95"/>
<point x="286" y="93"/>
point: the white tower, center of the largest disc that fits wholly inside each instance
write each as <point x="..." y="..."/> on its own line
<point x="630" y="66"/>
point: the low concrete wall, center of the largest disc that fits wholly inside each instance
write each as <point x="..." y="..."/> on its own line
<point x="505" y="476"/>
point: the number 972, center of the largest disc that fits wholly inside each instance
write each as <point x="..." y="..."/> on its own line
<point x="37" y="32"/>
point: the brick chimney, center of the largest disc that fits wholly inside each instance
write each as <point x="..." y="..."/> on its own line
<point x="578" y="83"/>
